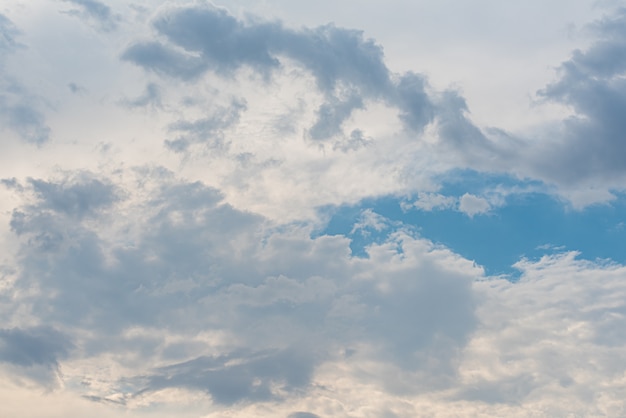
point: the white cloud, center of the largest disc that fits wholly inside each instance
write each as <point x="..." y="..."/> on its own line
<point x="473" y="205"/>
<point x="370" y="220"/>
<point x="434" y="201"/>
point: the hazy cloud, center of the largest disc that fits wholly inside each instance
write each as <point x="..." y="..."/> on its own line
<point x="24" y="119"/>
<point x="98" y="12"/>
<point x="208" y="130"/>
<point x="8" y="33"/>
<point x="18" y="109"/>
<point x="150" y="97"/>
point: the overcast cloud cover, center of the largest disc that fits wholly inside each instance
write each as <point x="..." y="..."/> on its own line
<point x="335" y="209"/>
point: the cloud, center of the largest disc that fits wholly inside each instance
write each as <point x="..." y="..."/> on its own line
<point x="302" y="415"/>
<point x="370" y="220"/>
<point x="583" y="156"/>
<point x="591" y="82"/>
<point x="158" y="58"/>
<point x="18" y="109"/>
<point x="8" y="33"/>
<point x="473" y="205"/>
<point x="416" y="107"/>
<point x="151" y="96"/>
<point x="434" y="201"/>
<point x="189" y="262"/>
<point x="98" y="12"/>
<point x="38" y="345"/>
<point x="24" y="119"/>
<point x="194" y="279"/>
<point x="35" y="347"/>
<point x="208" y="130"/>
<point x="347" y="68"/>
<point x="76" y="197"/>
<point x="75" y="88"/>
<point x="250" y="377"/>
<point x="332" y="114"/>
<point x="565" y="302"/>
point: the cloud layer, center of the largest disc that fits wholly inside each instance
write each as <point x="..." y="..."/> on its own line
<point x="170" y="179"/>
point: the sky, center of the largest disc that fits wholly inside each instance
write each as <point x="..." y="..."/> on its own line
<point x="306" y="210"/>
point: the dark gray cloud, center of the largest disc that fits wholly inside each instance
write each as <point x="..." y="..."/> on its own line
<point x="95" y="11"/>
<point x="35" y="352"/>
<point x="592" y="82"/>
<point x="339" y="59"/>
<point x="33" y="346"/>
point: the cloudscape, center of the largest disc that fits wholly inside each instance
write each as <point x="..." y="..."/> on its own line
<point x="306" y="210"/>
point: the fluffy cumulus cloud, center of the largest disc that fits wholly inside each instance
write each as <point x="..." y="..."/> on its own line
<point x="174" y="238"/>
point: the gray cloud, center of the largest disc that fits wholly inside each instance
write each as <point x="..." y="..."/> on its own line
<point x="587" y="149"/>
<point x="35" y="352"/>
<point x="592" y="83"/>
<point x="339" y="59"/>
<point x="75" y="197"/>
<point x="33" y="346"/>
<point x="163" y="60"/>
<point x="416" y="107"/>
<point x="332" y="114"/>
<point x="191" y="263"/>
<point x="24" y="119"/>
<point x="224" y="42"/>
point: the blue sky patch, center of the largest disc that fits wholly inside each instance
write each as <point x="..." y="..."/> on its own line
<point x="524" y="225"/>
